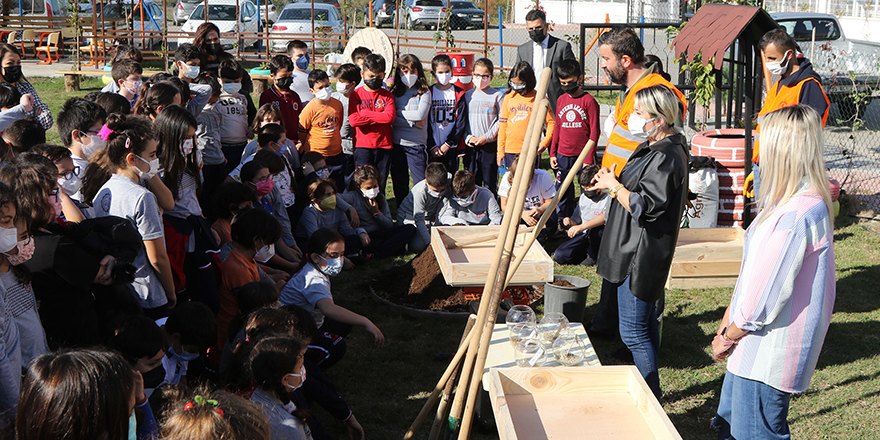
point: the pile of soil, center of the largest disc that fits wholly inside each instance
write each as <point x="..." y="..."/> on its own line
<point x="419" y="284"/>
<point x="562" y="283"/>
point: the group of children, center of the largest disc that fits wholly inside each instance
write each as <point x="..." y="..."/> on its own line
<point x="194" y="240"/>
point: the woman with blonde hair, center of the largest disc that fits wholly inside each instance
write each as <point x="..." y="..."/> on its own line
<point x="772" y="331"/>
<point x="642" y="225"/>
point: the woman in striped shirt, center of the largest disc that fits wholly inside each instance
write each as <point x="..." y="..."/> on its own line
<point x="773" y="329"/>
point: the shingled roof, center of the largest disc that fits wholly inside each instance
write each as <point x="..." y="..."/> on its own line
<point x="715" y="27"/>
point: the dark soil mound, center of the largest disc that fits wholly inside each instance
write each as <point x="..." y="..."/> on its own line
<point x="562" y="283"/>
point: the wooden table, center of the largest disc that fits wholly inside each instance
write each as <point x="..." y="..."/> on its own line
<point x="501" y="351"/>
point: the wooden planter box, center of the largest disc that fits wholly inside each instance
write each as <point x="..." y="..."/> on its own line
<point x="706" y="258"/>
<point x="469" y="265"/>
<point x="576" y="403"/>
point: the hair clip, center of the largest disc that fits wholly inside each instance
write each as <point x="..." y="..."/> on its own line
<point x="199" y="400"/>
<point x="127" y="143"/>
<point x="105" y="132"/>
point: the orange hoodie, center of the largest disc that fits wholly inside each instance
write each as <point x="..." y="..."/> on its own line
<point x="515" y="112"/>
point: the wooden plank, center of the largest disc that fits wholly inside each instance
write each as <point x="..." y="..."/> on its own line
<point x="689" y="235"/>
<point x="704" y="269"/>
<point x="701" y="282"/>
<point x="705" y="252"/>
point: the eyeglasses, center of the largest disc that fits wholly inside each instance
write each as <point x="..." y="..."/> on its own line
<point x="70" y="174"/>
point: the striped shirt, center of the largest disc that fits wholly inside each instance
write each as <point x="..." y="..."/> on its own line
<point x="785" y="295"/>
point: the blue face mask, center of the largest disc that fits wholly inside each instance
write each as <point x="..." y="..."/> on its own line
<point x="132" y="427"/>
<point x="184" y="355"/>
<point x="302" y="62"/>
<point x="334" y="266"/>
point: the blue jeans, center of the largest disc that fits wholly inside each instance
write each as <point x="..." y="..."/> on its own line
<point x="752" y="410"/>
<point x="757" y="178"/>
<point x="640" y="331"/>
<point x="568" y="203"/>
<point x="406" y="160"/>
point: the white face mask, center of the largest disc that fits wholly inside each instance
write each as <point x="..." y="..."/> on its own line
<point x="481" y="83"/>
<point x="71" y="185"/>
<point x="154" y="168"/>
<point x="187" y="147"/>
<point x="265" y="253"/>
<point x="96" y="143"/>
<point x="443" y="78"/>
<point x="776" y="67"/>
<point x="323" y="94"/>
<point x="231" y="88"/>
<point x="636" y="126"/>
<point x="371" y="193"/>
<point x="8" y="239"/>
<point x="190" y="72"/>
<point x="409" y="79"/>
<point x="302" y="379"/>
<point x="137" y="86"/>
<point x="342" y="87"/>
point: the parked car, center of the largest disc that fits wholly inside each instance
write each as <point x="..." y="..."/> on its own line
<point x="295" y="23"/>
<point x="847" y="67"/>
<point x="425" y="13"/>
<point x="383" y="13"/>
<point x="325" y="2"/>
<point x="45" y="8"/>
<point x="222" y="14"/>
<point x="151" y="20"/>
<point x="184" y="9"/>
<point x="465" y="14"/>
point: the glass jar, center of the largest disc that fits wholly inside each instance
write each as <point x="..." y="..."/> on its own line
<point x="569" y="350"/>
<point x="530" y="353"/>
<point x="551" y="327"/>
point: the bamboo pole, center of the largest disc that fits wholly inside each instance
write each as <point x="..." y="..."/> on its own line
<point x="525" y="175"/>
<point x="442" y="408"/>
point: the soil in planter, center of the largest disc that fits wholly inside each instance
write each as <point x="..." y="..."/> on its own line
<point x="562" y="283"/>
<point x="419" y="284"/>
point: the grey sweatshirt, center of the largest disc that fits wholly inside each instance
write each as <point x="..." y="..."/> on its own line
<point x="208" y="136"/>
<point x="345" y="127"/>
<point x="371" y="223"/>
<point x="483" y="211"/>
<point x="9" y="116"/>
<point x="484" y="110"/>
<point x="420" y="208"/>
<point x="410" y="127"/>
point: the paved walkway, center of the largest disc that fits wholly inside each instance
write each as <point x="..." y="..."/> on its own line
<point x="31" y="69"/>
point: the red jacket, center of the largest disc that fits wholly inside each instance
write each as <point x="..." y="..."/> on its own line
<point x="371" y="115"/>
<point x="290" y="106"/>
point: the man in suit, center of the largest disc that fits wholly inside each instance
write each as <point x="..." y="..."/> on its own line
<point x="544" y="51"/>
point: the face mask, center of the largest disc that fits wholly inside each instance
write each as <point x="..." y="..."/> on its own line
<point x="71" y="185"/>
<point x="302" y="379"/>
<point x="187" y="147"/>
<point x="137" y="86"/>
<point x="409" y="79"/>
<point x="265" y="253"/>
<point x="191" y="72"/>
<point x="537" y="35"/>
<point x="467" y="201"/>
<point x="132" y="426"/>
<point x="213" y="48"/>
<point x="373" y="83"/>
<point x="302" y="62"/>
<point x="636" y="126"/>
<point x="371" y="193"/>
<point x="154" y="377"/>
<point x="184" y="355"/>
<point x="334" y="266"/>
<point x="593" y="195"/>
<point x="570" y="88"/>
<point x="519" y="87"/>
<point x="323" y="173"/>
<point x="56" y="204"/>
<point x="265" y="187"/>
<point x="433" y="193"/>
<point x="342" y="87"/>
<point x="443" y="78"/>
<point x="775" y="67"/>
<point x="8" y="239"/>
<point x="12" y="73"/>
<point x="231" y="88"/>
<point x="284" y="83"/>
<point x="328" y="202"/>
<point x="95" y="144"/>
<point x="25" y="252"/>
<point x="323" y="94"/>
<point x="481" y="83"/>
<point x="154" y="168"/>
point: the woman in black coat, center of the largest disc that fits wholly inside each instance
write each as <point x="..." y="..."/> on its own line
<point x="642" y="223"/>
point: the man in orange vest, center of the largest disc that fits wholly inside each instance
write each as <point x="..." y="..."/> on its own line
<point x="623" y="59"/>
<point x="799" y="84"/>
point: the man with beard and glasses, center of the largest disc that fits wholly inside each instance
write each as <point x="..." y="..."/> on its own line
<point x="543" y="51"/>
<point x="624" y="62"/>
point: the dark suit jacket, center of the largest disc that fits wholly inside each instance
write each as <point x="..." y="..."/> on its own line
<point x="557" y="50"/>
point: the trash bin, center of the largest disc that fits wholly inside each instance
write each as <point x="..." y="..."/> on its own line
<point x="570" y="301"/>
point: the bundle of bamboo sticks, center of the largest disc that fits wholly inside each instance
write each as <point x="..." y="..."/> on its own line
<point x="474" y="345"/>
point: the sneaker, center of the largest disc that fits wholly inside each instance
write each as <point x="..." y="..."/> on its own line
<point x="589" y="261"/>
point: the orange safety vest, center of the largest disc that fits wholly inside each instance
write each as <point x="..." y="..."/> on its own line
<point x="621" y="143"/>
<point x="781" y="97"/>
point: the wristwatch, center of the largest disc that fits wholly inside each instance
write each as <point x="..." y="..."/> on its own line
<point x="614" y="190"/>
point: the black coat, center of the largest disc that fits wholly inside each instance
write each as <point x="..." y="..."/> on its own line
<point x="643" y="249"/>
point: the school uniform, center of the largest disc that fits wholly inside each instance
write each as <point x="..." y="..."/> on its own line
<point x="448" y="122"/>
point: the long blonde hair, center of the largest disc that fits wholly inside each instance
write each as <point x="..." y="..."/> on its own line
<point x="791" y="154"/>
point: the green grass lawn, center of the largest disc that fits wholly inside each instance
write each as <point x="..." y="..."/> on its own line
<point x="387" y="386"/>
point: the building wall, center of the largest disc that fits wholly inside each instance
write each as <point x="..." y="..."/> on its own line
<point x="566" y="12"/>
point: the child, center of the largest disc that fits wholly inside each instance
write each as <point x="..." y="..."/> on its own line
<point x="10" y="60"/>
<point x="484" y="109"/>
<point x="277" y="368"/>
<point x="323" y="212"/>
<point x="585" y="226"/>
<point x="578" y="113"/>
<point x="281" y="95"/>
<point x="127" y="76"/>
<point x="13" y="105"/>
<point x="375" y="216"/>
<point x="79" y="123"/>
<point x="23" y="134"/>
<point x="371" y="111"/>
<point x="358" y="55"/>
<point x="310" y="289"/>
<point x="10" y="350"/>
<point x="230" y="199"/>
<point x="448" y="119"/>
<point x="469" y="204"/>
<point x="271" y="137"/>
<point x="319" y="126"/>
<point x="142" y="343"/>
<point x="189" y="331"/>
<point x="515" y="112"/>
<point x="68" y="182"/>
<point x="113" y="103"/>
<point x="156" y="96"/>
<point x="208" y="141"/>
<point x="421" y="205"/>
<point x="233" y="114"/>
<point x="412" y="102"/>
<point x="254" y="233"/>
<point x="187" y="59"/>
<point x="299" y="54"/>
<point x="270" y="113"/>
<point x="131" y="157"/>
<point x="347" y="77"/>
<point x="123" y="52"/>
<point x="540" y="193"/>
<point x="207" y="415"/>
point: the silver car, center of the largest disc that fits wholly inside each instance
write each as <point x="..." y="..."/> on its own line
<point x="295" y="23"/>
<point x="184" y="8"/>
<point x="425" y="13"/>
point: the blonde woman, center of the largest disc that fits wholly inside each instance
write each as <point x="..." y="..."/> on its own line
<point x="774" y="327"/>
<point x="642" y="224"/>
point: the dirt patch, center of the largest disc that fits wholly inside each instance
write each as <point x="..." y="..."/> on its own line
<point x="419" y="284"/>
<point x="562" y="283"/>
